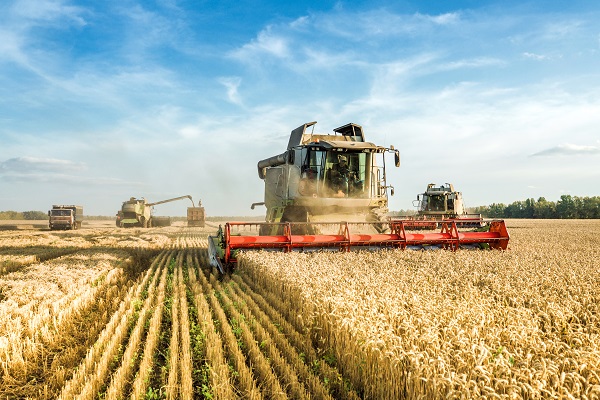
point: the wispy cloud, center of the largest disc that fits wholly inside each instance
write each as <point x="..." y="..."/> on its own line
<point x="478" y="62"/>
<point x="66" y="179"/>
<point x="568" y="149"/>
<point x="535" y="56"/>
<point x="314" y="39"/>
<point x="30" y="164"/>
<point x="232" y="84"/>
<point x="441" y="19"/>
<point x="55" y="171"/>
<point x="267" y="43"/>
<point x="48" y="11"/>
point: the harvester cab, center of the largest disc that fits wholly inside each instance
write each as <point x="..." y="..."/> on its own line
<point x="329" y="192"/>
<point x="323" y="177"/>
<point x="442" y="202"/>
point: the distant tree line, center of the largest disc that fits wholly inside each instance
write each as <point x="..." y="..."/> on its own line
<point x="23" y="215"/>
<point x="40" y="215"/>
<point x="568" y="207"/>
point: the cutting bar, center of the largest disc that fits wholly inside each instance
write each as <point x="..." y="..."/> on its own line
<point x="397" y="236"/>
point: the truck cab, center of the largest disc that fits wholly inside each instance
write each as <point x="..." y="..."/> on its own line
<point x="65" y="217"/>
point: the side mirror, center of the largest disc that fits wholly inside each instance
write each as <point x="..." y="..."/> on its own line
<point x="392" y="190"/>
<point x="291" y="157"/>
<point x="397" y="158"/>
<point x="418" y="197"/>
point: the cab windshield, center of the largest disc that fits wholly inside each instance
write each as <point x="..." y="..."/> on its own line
<point x="334" y="174"/>
<point x="61" y="213"/>
<point x="434" y="203"/>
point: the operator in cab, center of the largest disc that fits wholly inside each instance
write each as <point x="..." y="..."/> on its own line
<point x="343" y="180"/>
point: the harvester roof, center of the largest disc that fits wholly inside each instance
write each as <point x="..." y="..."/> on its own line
<point x="432" y="188"/>
<point x="349" y="133"/>
<point x="326" y="144"/>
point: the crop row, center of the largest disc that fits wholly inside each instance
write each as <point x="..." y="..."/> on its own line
<point x="176" y="331"/>
<point x="43" y="310"/>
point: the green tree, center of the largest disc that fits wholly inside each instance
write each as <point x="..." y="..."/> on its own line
<point x="565" y="207"/>
<point x="496" y="210"/>
<point x="10" y="215"/>
<point x="34" y="215"/>
<point x="544" y="209"/>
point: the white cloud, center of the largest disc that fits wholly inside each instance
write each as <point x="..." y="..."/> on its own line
<point x="563" y="28"/>
<point x="478" y="62"/>
<point x="232" y="84"/>
<point x="442" y="19"/>
<point x="48" y="11"/>
<point x="267" y="43"/>
<point x="28" y="164"/>
<point x="67" y="179"/>
<point x="190" y="132"/>
<point x="10" y="47"/>
<point x="535" y="56"/>
<point x="300" y="22"/>
<point x="568" y="149"/>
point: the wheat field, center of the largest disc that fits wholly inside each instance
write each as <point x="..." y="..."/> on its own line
<point x="136" y="313"/>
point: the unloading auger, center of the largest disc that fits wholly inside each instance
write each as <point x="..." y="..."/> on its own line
<point x="224" y="247"/>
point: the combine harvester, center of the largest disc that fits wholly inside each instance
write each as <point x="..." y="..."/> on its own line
<point x="329" y="192"/>
<point x="138" y="213"/>
<point x="441" y="203"/>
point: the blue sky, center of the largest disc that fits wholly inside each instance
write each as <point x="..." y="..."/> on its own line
<point x="101" y="101"/>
